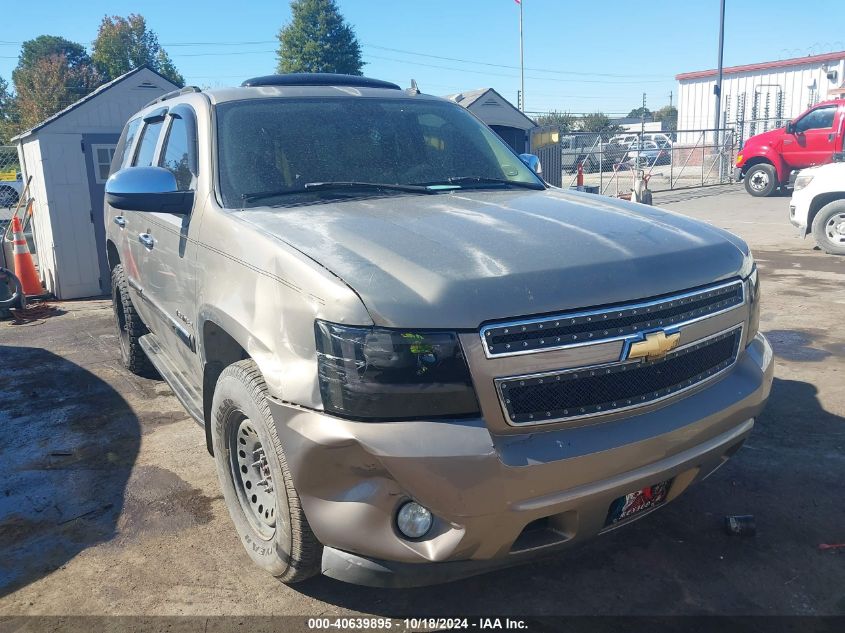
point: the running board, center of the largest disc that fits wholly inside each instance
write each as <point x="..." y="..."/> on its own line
<point x="188" y="395"/>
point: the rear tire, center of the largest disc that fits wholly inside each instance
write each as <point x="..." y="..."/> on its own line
<point x="256" y="482"/>
<point x="130" y="327"/>
<point x="829" y="228"/>
<point x="761" y="180"/>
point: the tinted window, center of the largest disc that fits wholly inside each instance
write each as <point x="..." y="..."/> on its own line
<point x="124" y="146"/>
<point x="147" y="144"/>
<point x="177" y="154"/>
<point x="282" y="144"/>
<point x="817" y="119"/>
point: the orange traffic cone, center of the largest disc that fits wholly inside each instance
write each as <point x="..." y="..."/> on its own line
<point x="24" y="267"/>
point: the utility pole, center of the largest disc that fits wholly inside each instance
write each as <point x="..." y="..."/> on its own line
<point x="522" y="58"/>
<point x="642" y="118"/>
<point x="717" y="89"/>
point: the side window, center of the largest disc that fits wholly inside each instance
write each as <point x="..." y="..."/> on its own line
<point x="147" y="144"/>
<point x="179" y="153"/>
<point x="124" y="145"/>
<point x="820" y="118"/>
<point x="103" y="156"/>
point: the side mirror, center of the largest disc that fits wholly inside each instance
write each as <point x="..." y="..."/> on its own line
<point x="790" y="128"/>
<point x="533" y="163"/>
<point x="151" y="189"/>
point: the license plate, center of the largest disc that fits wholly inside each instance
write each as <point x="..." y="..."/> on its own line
<point x="637" y="502"/>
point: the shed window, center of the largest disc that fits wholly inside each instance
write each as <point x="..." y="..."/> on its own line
<point x="103" y="155"/>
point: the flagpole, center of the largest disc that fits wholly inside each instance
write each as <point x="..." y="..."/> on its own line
<point x="521" y="61"/>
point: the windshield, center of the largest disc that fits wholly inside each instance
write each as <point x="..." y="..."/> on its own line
<point x="277" y="146"/>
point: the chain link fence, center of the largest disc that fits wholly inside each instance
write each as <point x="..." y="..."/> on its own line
<point x="670" y="160"/>
<point x="11" y="185"/>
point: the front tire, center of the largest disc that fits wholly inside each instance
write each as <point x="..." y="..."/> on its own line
<point x="829" y="228"/>
<point x="761" y="180"/>
<point x="256" y="482"/>
<point x="130" y="327"/>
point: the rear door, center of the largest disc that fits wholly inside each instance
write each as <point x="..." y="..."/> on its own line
<point x="814" y="140"/>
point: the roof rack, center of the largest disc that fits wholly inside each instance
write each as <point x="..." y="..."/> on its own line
<point x="173" y="93"/>
<point x="318" y="79"/>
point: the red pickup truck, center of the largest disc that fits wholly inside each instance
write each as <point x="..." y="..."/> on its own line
<point x="766" y="160"/>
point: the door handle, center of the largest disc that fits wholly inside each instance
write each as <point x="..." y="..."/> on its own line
<point x="120" y="221"/>
<point x="830" y="137"/>
<point x="146" y="239"/>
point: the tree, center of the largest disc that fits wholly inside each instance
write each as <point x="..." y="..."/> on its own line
<point x="8" y="113"/>
<point x="77" y="62"/>
<point x="318" y="40"/>
<point x="45" y="85"/>
<point x="600" y="123"/>
<point x="639" y="113"/>
<point x="668" y="115"/>
<point x="564" y="120"/>
<point x="124" y="44"/>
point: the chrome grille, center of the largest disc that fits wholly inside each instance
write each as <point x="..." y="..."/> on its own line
<point x="590" y="391"/>
<point x="622" y="320"/>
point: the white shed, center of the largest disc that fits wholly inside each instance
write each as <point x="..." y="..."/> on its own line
<point x="68" y="157"/>
<point x="499" y="113"/>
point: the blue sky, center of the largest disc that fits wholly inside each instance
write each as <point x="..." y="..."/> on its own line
<point x="602" y="55"/>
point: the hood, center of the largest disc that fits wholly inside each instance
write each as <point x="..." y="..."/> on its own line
<point x="456" y="260"/>
<point x="766" y="139"/>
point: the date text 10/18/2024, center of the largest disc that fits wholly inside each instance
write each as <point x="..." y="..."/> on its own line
<point x="417" y="624"/>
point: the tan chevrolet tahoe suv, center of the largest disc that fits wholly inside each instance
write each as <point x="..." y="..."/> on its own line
<point x="414" y="360"/>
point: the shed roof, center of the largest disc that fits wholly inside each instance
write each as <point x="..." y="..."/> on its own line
<point x="89" y="97"/>
<point x="781" y="63"/>
<point x="488" y="96"/>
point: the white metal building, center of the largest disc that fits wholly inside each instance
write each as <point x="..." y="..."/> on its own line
<point x="778" y="90"/>
<point x="68" y="157"/>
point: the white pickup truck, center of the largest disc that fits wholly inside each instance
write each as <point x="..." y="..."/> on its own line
<point x="818" y="205"/>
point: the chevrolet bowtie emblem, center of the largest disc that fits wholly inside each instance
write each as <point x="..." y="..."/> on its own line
<point x="656" y="345"/>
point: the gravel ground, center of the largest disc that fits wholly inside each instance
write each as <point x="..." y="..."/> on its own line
<point x="109" y="503"/>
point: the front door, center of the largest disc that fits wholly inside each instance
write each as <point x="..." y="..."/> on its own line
<point x="99" y="151"/>
<point x="166" y="255"/>
<point x="814" y="140"/>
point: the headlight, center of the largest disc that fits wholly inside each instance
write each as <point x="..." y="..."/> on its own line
<point x="753" y="282"/>
<point x="802" y="181"/>
<point x="376" y="373"/>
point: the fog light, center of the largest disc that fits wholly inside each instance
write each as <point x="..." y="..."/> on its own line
<point x="413" y="520"/>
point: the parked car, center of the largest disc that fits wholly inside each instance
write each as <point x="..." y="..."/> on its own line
<point x="590" y="151"/>
<point x="662" y="139"/>
<point x="10" y="191"/>
<point x="647" y="154"/>
<point x="818" y="205"/>
<point x="767" y="160"/>
<point x="624" y="139"/>
<point x="413" y="360"/>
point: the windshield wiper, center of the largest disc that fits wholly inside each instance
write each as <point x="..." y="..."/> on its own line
<point x="481" y="180"/>
<point x="328" y="186"/>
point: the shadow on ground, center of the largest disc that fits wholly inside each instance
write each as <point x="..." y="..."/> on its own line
<point x="68" y="441"/>
<point x="788" y="475"/>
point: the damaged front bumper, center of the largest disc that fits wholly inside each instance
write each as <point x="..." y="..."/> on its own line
<point x="500" y="500"/>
